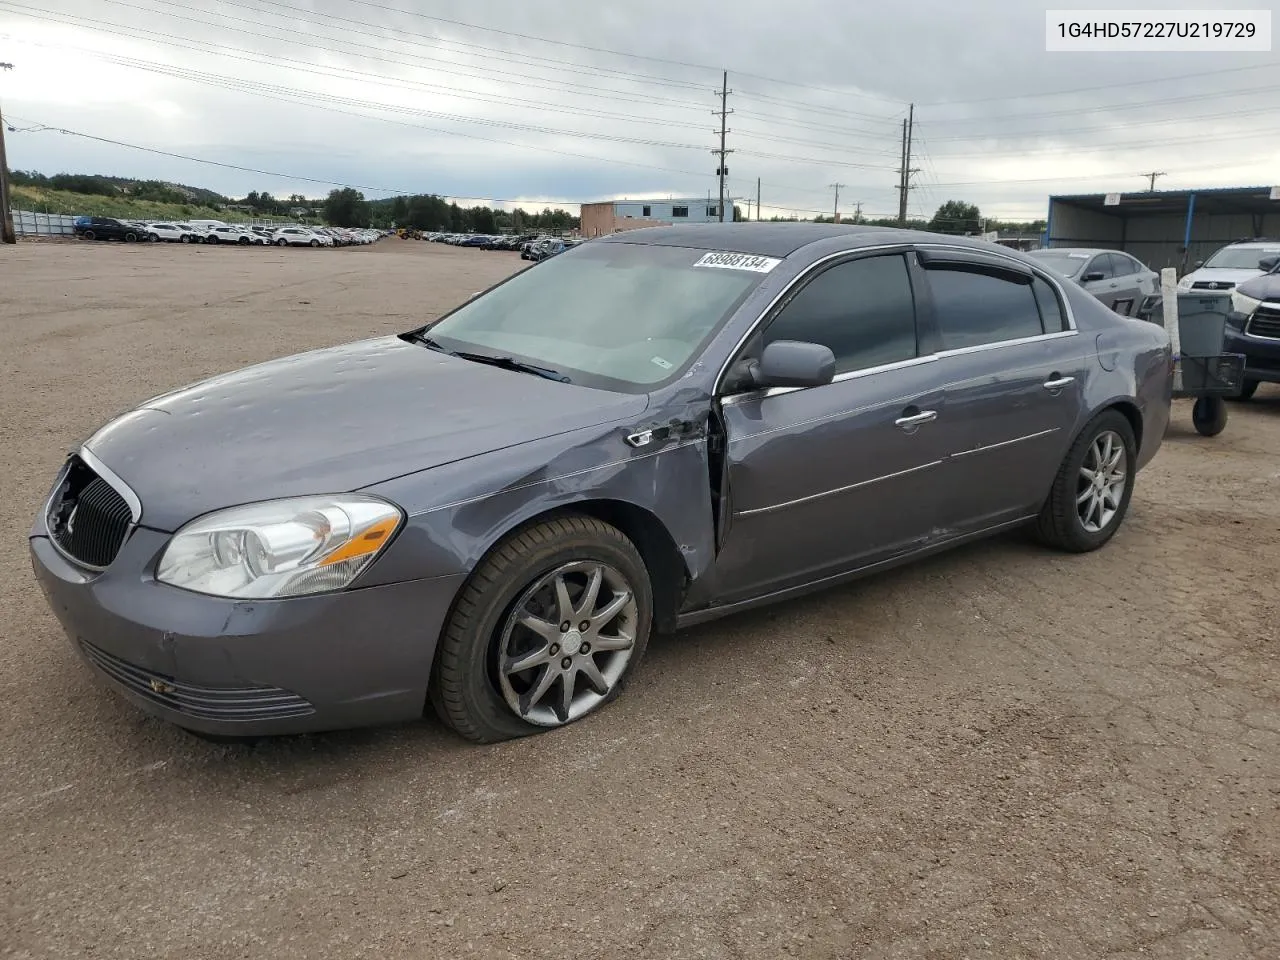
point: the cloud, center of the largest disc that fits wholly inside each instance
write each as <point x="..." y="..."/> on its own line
<point x="392" y="96"/>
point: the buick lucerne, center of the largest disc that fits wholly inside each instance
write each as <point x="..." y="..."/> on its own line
<point x="489" y="515"/>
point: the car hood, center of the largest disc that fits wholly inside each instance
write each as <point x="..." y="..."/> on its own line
<point x="1265" y="287"/>
<point x="331" y="421"/>
<point x="1233" y="275"/>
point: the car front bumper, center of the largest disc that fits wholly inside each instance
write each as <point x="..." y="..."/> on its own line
<point x="247" y="667"/>
<point x="1261" y="354"/>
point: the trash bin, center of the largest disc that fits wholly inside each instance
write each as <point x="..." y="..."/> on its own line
<point x="1202" y="321"/>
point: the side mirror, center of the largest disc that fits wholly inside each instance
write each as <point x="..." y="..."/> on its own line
<point x="791" y="363"/>
<point x="1091" y="276"/>
<point x="1268" y="263"/>
<point x="1197" y="265"/>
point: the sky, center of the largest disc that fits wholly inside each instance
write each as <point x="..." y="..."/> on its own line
<point x="517" y="103"/>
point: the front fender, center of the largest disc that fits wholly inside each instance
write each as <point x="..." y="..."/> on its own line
<point x="458" y="512"/>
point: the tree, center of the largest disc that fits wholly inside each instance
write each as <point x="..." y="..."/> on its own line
<point x="737" y="214"/>
<point x="956" y="216"/>
<point x="346" y="208"/>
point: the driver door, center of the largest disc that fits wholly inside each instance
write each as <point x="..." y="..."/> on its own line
<point x="824" y="479"/>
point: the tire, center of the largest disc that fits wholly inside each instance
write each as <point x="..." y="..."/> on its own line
<point x="1209" y="416"/>
<point x="154" y="238"/>
<point x="89" y="235"/>
<point x="130" y="237"/>
<point x="282" y="242"/>
<point x="1247" y="389"/>
<point x="468" y="690"/>
<point x="185" y="238"/>
<point x="1060" y="524"/>
<point x="315" y="243"/>
<point x="243" y="241"/>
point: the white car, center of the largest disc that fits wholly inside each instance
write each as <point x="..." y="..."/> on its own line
<point x="1230" y="266"/>
<point x="170" y="232"/>
<point x="230" y="234"/>
<point x="300" y="237"/>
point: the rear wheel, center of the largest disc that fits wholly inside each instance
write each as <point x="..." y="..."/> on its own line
<point x="546" y="631"/>
<point x="1090" y="495"/>
<point x="89" y="235"/>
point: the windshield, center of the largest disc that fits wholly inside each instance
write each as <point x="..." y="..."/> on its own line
<point x="1066" y="264"/>
<point x="615" y="315"/>
<point x="1241" y="258"/>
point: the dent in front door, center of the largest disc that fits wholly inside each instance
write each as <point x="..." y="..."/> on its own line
<point x="824" y="479"/>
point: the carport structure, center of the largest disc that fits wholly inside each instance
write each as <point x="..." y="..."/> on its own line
<point x="1164" y="228"/>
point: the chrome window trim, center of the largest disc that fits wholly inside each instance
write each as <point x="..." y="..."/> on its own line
<point x="838" y="378"/>
<point x="1046" y="276"/>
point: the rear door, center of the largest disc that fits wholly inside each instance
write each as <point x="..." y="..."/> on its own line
<point x="1014" y="368"/>
<point x="829" y="478"/>
<point x="1126" y="292"/>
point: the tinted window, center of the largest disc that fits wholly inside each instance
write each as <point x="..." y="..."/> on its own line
<point x="863" y="310"/>
<point x="977" y="308"/>
<point x="1101" y="264"/>
<point x="1122" y="266"/>
<point x="1050" y="307"/>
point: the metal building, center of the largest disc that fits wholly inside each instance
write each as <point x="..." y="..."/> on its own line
<point x="610" y="216"/>
<point x="1164" y="228"/>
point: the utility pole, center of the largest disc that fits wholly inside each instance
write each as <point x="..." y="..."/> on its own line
<point x="835" y="212"/>
<point x="906" y="170"/>
<point x="1152" y="177"/>
<point x="857" y="213"/>
<point x="7" y="234"/>
<point x="757" y="199"/>
<point x="723" y="113"/>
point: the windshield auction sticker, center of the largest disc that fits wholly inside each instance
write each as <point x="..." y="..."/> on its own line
<point x="738" y="261"/>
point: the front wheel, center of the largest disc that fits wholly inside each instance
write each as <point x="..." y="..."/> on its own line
<point x="315" y="243"/>
<point x="1090" y="495"/>
<point x="282" y="242"/>
<point x="1209" y="416"/>
<point x="130" y="238"/>
<point x="185" y="238"/>
<point x="546" y="631"/>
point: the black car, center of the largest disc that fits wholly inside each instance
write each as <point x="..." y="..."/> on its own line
<point x="108" y="228"/>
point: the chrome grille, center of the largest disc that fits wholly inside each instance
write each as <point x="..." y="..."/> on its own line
<point x="1265" y="322"/>
<point x="1212" y="285"/>
<point x="204" y="703"/>
<point x="87" y="517"/>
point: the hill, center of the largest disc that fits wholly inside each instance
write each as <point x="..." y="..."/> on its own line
<point x="44" y="200"/>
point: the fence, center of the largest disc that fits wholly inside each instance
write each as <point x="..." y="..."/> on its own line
<point x="28" y="223"/>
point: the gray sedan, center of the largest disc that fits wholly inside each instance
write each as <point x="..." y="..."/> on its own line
<point x="1114" y="277"/>
<point x="491" y="514"/>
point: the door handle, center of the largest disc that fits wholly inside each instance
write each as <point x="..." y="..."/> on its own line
<point x="1059" y="383"/>
<point x="911" y="421"/>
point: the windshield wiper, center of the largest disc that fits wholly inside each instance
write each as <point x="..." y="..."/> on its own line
<point x="422" y="338"/>
<point x="510" y="363"/>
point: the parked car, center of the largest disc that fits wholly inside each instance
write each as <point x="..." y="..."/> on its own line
<point x="1229" y="266"/>
<point x="107" y="228"/>
<point x="1113" y="276"/>
<point x="169" y="232"/>
<point x="299" y="237"/>
<point x="1253" y="327"/>
<point x="737" y="414"/>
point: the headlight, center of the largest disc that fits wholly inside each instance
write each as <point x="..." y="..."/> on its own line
<point x="1184" y="284"/>
<point x="281" y="548"/>
<point x="1244" y="304"/>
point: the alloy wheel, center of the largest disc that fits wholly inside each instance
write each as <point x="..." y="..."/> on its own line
<point x="567" y="642"/>
<point x="1101" y="486"/>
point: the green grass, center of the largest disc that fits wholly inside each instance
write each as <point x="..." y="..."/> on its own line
<point x="41" y="200"/>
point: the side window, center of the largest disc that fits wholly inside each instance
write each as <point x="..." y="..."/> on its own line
<point x="1122" y="266"/>
<point x="975" y="309"/>
<point x="862" y="309"/>
<point x="1101" y="264"/>
<point x="1051" y="312"/>
<point x="679" y="211"/>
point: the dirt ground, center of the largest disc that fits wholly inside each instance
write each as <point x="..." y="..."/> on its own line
<point x="997" y="753"/>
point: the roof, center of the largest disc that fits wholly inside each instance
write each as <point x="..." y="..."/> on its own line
<point x="763" y="239"/>
<point x="1157" y="202"/>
